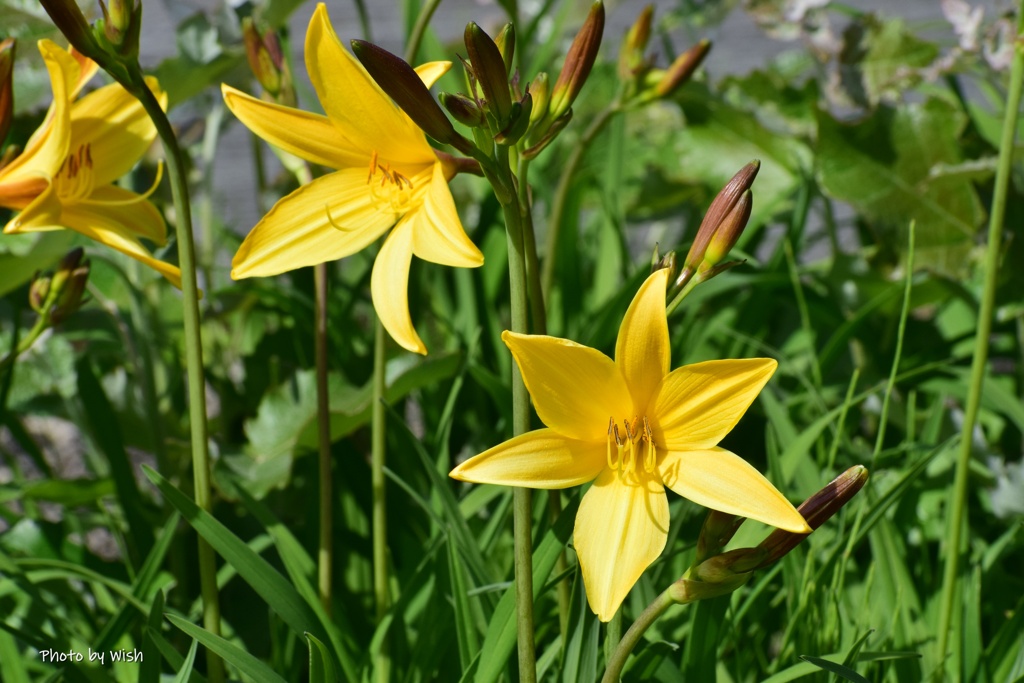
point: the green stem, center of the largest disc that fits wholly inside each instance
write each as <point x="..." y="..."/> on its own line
<point x="323" y="419"/>
<point x="556" y="219"/>
<point x="412" y="46"/>
<point x="633" y="636"/>
<point x="42" y="322"/>
<point x="500" y="176"/>
<point x="958" y="510"/>
<point x="380" y="519"/>
<point x="193" y="356"/>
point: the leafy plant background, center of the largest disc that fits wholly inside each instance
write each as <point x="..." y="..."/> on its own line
<point x="863" y="123"/>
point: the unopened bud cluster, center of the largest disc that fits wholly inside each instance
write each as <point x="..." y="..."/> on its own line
<point x="267" y="62"/>
<point x="59" y="294"/>
<point x="499" y="109"/>
<point x="641" y="80"/>
<point x="715" y="572"/>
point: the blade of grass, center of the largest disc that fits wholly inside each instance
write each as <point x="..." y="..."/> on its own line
<point x="229" y="652"/>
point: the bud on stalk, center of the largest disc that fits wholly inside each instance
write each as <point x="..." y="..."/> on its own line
<point x="578" y="63"/>
<point x="682" y="68"/>
<point x="489" y="69"/>
<point x="263" y="51"/>
<point x="122" y="24"/>
<point x="401" y="82"/>
<point x="463" y="109"/>
<point x="6" y="86"/>
<point x="631" y="54"/>
<point x="506" y="44"/>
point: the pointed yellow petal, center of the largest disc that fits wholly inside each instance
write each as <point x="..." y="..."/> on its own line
<point x="42" y="214"/>
<point x="86" y="70"/>
<point x="298" y="232"/>
<point x="129" y="209"/>
<point x="355" y="104"/>
<point x="430" y="72"/>
<point x="575" y="388"/>
<point x="621" y="528"/>
<point x="642" y="348"/>
<point x="115" y="127"/>
<point x="541" y="459"/>
<point x="100" y="225"/>
<point x="389" y="287"/>
<point x="46" y="149"/>
<point x="720" y="480"/>
<point x="438" y="235"/>
<point x="699" y="404"/>
<point x="309" y="136"/>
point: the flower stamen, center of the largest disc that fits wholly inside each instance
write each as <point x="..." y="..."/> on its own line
<point x="626" y="447"/>
<point x="74" y="178"/>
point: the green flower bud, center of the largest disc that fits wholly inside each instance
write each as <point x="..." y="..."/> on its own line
<point x="463" y="109"/>
<point x="578" y="63"/>
<point x="38" y="292"/>
<point x="540" y="87"/>
<point x="519" y="121"/>
<point x="489" y="70"/>
<point x="631" y="54"/>
<point x="506" y="43"/>
<point x="682" y="69"/>
<point x="122" y="23"/>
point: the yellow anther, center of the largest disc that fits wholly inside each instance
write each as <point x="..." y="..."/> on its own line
<point x="373" y="167"/>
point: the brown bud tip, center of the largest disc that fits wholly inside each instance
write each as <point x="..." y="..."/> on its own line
<point x="506" y="43"/>
<point x="578" y="62"/>
<point x="401" y="82"/>
<point x="68" y="19"/>
<point x="489" y="69"/>
<point x="682" y="68"/>
<point x="816" y="510"/>
<point x="7" y="48"/>
<point x="719" y="209"/>
<point x="631" y="54"/>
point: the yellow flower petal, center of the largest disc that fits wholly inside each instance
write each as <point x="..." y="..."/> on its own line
<point x="389" y="287"/>
<point x="355" y="103"/>
<point x="575" y="388"/>
<point x="46" y="149"/>
<point x="621" y="528"/>
<point x="115" y="127"/>
<point x="298" y="232"/>
<point x="129" y="209"/>
<point x="541" y="459"/>
<point x="309" y="136"/>
<point x="699" y="404"/>
<point x="42" y="214"/>
<point x="642" y="348"/>
<point x="720" y="480"/>
<point x="438" y="235"/>
<point x="430" y="72"/>
<point x="124" y="243"/>
<point x="86" y="70"/>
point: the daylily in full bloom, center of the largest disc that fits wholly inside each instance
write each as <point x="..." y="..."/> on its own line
<point x="634" y="428"/>
<point x="388" y="175"/>
<point x="64" y="177"/>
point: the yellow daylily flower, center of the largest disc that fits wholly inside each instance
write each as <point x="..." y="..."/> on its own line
<point x="64" y="177"/>
<point x="388" y="175"/>
<point x="634" y="428"/>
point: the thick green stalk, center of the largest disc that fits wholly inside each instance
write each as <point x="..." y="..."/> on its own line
<point x="193" y="357"/>
<point x="380" y="519"/>
<point x="958" y="510"/>
<point x="633" y="636"/>
<point x="500" y="176"/>
<point x="323" y="419"/>
<point x="556" y="217"/>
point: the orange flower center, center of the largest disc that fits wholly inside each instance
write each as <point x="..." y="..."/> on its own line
<point x="388" y="186"/>
<point x="74" y="180"/>
<point x="625" y="446"/>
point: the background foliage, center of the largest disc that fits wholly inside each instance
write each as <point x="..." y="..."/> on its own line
<point x="865" y="124"/>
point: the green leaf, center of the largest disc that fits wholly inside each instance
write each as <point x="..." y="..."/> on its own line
<point x="285" y="425"/>
<point x="231" y="653"/>
<point x="838" y="669"/>
<point x="279" y="595"/>
<point x="883" y="166"/>
<point x="321" y="663"/>
<point x="186" y="669"/>
<point x="27" y="254"/>
<point x="501" y="632"/>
